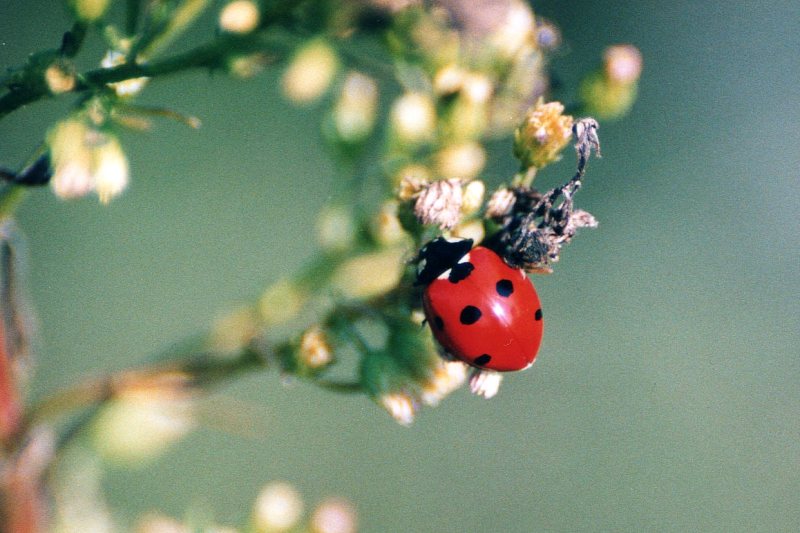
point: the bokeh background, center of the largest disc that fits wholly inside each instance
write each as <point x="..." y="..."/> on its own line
<point x="667" y="392"/>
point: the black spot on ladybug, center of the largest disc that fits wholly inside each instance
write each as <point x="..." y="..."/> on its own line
<point x="469" y="315"/>
<point x="438" y="322"/>
<point x="504" y="288"/>
<point x="538" y="315"/>
<point x="460" y="271"/>
<point x="483" y="360"/>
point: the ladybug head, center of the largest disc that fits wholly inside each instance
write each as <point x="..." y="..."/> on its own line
<point x="438" y="256"/>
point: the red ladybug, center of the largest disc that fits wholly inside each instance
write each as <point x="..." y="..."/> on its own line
<point x="481" y="310"/>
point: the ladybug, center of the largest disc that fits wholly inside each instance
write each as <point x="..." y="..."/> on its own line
<point x="481" y="310"/>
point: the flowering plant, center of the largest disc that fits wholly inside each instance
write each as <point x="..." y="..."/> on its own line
<point x="455" y="76"/>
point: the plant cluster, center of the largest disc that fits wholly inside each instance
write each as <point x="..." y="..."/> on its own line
<point x="419" y="87"/>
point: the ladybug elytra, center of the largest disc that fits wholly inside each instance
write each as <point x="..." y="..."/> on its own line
<point x="480" y="310"/>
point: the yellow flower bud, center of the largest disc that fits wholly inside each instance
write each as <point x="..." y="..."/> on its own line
<point x="71" y="159"/>
<point x="370" y="274"/>
<point x="89" y="10"/>
<point x="472" y="198"/>
<point x="464" y="160"/>
<point x="280" y="303"/>
<point x="60" y="77"/>
<point x="239" y="16"/>
<point x="470" y="230"/>
<point x="310" y="72"/>
<point x="543" y="134"/>
<point x="235" y="330"/>
<point x="141" y="426"/>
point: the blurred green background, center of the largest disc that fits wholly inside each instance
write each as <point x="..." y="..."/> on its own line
<point x="666" y="396"/>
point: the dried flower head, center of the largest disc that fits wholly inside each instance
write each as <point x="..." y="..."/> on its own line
<point x="543" y="134"/>
<point x="440" y="203"/>
<point x="538" y="225"/>
<point x="501" y="203"/>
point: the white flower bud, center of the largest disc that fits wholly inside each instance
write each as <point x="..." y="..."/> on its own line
<point x="110" y="170"/>
<point x="413" y="118"/>
<point x="400" y="405"/>
<point x="278" y="508"/>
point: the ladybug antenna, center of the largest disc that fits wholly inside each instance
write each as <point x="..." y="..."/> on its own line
<point x="438" y="256"/>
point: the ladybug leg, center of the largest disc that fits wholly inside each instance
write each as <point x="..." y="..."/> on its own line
<point x="484" y="383"/>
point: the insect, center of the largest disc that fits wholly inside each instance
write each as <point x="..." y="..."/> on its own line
<point x="479" y="309"/>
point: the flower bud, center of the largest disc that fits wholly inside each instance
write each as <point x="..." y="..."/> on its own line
<point x="315" y="350"/>
<point x="413" y="118"/>
<point x="622" y="63"/>
<point x="114" y="58"/>
<point x="501" y="203"/>
<point x="334" y="515"/>
<point x="543" y="134"/>
<point x="89" y="10"/>
<point x="60" y="77"/>
<point x="310" y="72"/>
<point x="370" y="274"/>
<point x="515" y="31"/>
<point x="280" y="303"/>
<point x="411" y="179"/>
<point x="386" y="226"/>
<point x="446" y="377"/>
<point x="110" y="169"/>
<point x="278" y="508"/>
<point x="141" y="425"/>
<point x="400" y="406"/>
<point x="355" y="110"/>
<point x="440" y="203"/>
<point x="470" y="230"/>
<point x="239" y="16"/>
<point x="465" y="160"/>
<point x="233" y="331"/>
<point x="71" y="159"/>
<point x="449" y="79"/>
<point x="335" y="228"/>
<point x="485" y="383"/>
<point x="473" y="197"/>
